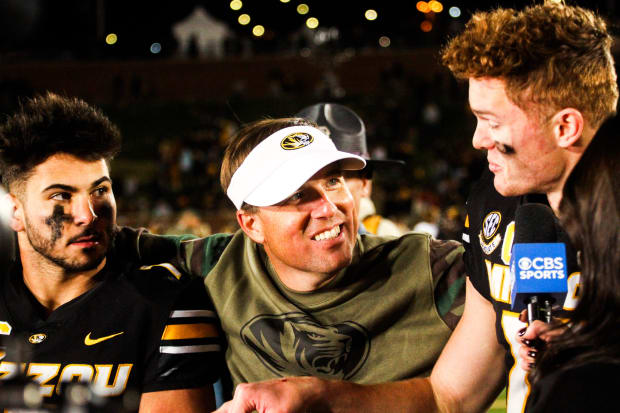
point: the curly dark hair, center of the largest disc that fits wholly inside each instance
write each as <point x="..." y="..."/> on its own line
<point x="552" y="55"/>
<point x="590" y="213"/>
<point x="51" y="124"/>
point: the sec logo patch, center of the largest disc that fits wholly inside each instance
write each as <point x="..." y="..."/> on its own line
<point x="491" y="224"/>
<point x="488" y="240"/>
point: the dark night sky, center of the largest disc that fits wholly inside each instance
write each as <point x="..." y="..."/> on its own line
<point x="72" y="28"/>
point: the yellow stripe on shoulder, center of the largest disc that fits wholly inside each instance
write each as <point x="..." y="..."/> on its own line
<point x="176" y="273"/>
<point x="186" y="331"/>
<point x="5" y="328"/>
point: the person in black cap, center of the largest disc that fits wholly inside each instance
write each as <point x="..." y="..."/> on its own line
<point x="348" y="132"/>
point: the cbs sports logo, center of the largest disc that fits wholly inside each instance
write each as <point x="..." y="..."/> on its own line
<point x="541" y="268"/>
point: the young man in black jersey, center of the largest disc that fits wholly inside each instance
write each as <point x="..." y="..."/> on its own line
<point x="541" y="82"/>
<point x="70" y="311"/>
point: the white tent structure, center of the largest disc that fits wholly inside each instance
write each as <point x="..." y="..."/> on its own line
<point x="207" y="32"/>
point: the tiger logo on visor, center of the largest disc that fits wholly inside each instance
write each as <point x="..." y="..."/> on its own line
<point x="296" y="140"/>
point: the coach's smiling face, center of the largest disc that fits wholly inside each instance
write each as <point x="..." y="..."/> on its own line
<point x="310" y="236"/>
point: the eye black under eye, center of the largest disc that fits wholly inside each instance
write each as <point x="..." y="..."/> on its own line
<point x="505" y="149"/>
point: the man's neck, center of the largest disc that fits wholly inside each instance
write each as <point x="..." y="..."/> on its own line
<point x="554" y="199"/>
<point x="300" y="281"/>
<point x="51" y="284"/>
<point x="296" y="280"/>
<point x="573" y="155"/>
<point x="554" y="194"/>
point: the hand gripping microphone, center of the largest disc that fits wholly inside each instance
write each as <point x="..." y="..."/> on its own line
<point x="538" y="264"/>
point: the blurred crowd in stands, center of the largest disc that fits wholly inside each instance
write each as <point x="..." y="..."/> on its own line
<point x="170" y="184"/>
<point x="167" y="176"/>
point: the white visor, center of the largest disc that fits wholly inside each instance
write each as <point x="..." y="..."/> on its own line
<point x="282" y="163"/>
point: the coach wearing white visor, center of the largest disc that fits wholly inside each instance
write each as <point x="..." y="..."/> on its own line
<point x="299" y="292"/>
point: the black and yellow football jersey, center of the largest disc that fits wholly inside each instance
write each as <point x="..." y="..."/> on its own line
<point x="488" y="237"/>
<point x="146" y="329"/>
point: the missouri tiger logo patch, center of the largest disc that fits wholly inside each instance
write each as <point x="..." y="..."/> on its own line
<point x="296" y="344"/>
<point x="37" y="338"/>
<point x="296" y="140"/>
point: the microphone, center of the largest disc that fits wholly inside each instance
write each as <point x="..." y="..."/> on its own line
<point x="538" y="264"/>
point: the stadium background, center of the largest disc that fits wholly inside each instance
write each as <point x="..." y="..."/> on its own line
<point x="178" y="97"/>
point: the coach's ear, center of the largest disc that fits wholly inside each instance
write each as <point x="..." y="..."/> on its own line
<point x="251" y="224"/>
<point x="16" y="213"/>
<point x="567" y="127"/>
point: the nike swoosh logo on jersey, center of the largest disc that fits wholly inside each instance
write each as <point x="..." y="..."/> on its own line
<point x="92" y="341"/>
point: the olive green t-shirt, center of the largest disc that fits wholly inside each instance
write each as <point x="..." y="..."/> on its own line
<point x="385" y="317"/>
<point x="376" y="321"/>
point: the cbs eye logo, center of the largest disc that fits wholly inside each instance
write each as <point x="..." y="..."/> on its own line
<point x="296" y="140"/>
<point x="525" y="263"/>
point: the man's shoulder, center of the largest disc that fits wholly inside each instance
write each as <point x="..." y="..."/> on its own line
<point x="212" y="245"/>
<point x="369" y="243"/>
<point x="164" y="272"/>
<point x="412" y="238"/>
<point x="139" y="246"/>
<point x="136" y="245"/>
<point x="444" y="250"/>
<point x="402" y="252"/>
<point x="162" y="282"/>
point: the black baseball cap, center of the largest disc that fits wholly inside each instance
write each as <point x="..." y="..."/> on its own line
<point x="345" y="128"/>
